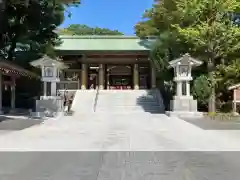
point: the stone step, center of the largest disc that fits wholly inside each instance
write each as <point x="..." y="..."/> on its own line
<point x="128" y="98"/>
<point x="128" y="112"/>
<point x="117" y="101"/>
<point x="127" y="104"/>
<point x="83" y="101"/>
<point x="127" y="108"/>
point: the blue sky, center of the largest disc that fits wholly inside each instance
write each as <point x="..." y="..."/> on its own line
<point x="113" y="14"/>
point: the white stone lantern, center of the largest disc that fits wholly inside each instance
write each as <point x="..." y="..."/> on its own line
<point x="50" y="70"/>
<point x="183" y="67"/>
<point x="183" y="102"/>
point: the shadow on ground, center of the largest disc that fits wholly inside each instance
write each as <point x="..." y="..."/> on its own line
<point x="215" y="124"/>
<point x="16" y="124"/>
<point x="150" y="103"/>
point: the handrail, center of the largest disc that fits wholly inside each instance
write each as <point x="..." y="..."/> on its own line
<point x="160" y="99"/>
<point x="96" y="100"/>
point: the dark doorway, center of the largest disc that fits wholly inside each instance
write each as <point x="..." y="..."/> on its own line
<point x="120" y="81"/>
<point x="119" y="77"/>
<point x="92" y="79"/>
<point x="144" y="76"/>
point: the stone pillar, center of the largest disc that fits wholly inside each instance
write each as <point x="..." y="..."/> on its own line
<point x="101" y="76"/>
<point x="13" y="96"/>
<point x="44" y="88"/>
<point x="179" y="88"/>
<point x="135" y="77"/>
<point x="187" y="88"/>
<point x="53" y="88"/>
<point x="153" y="76"/>
<point x="1" y="83"/>
<point x="84" y="77"/>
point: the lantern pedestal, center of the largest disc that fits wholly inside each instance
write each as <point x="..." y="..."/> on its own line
<point x="184" y="106"/>
<point x="184" y="103"/>
<point x="49" y="106"/>
<point x="184" y="114"/>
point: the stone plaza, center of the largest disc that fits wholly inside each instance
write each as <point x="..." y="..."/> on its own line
<point x="119" y="146"/>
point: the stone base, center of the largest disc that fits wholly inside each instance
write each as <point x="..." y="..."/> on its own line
<point x="37" y="115"/>
<point x="49" y="105"/>
<point x="183" y="103"/>
<point x="235" y="113"/>
<point x="49" y="97"/>
<point x="184" y="114"/>
<point x="13" y="111"/>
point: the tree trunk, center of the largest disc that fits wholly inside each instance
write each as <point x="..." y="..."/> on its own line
<point x="11" y="52"/>
<point x="2" y="8"/>
<point x="212" y="98"/>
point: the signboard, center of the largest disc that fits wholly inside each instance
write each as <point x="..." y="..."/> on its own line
<point x="237" y="94"/>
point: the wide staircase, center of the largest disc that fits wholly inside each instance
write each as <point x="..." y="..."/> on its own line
<point x="128" y="101"/>
<point x="84" y="101"/>
<point x="117" y="101"/>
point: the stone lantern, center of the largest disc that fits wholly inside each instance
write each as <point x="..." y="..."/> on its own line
<point x="50" y="70"/>
<point x="183" y="103"/>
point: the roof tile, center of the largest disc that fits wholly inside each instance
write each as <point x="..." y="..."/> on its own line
<point x="104" y="43"/>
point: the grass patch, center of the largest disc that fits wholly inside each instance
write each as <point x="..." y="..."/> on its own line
<point x="222" y="116"/>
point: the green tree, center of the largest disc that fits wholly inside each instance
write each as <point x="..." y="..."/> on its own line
<point x="213" y="35"/>
<point x="30" y="26"/>
<point x="203" y="28"/>
<point x="202" y="90"/>
<point x="27" y="31"/>
<point x="79" y="29"/>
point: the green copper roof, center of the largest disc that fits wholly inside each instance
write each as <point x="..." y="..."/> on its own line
<point x="103" y="43"/>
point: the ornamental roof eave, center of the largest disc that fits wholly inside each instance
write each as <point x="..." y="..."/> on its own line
<point x="184" y="58"/>
<point x="235" y="86"/>
<point x="8" y="66"/>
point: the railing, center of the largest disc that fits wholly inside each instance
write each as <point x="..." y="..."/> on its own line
<point x="96" y="100"/>
<point x="160" y="99"/>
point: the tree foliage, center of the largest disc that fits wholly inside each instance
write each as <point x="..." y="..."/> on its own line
<point x="27" y="30"/>
<point x="30" y="27"/>
<point x="203" y="28"/>
<point x="202" y="90"/>
<point x="79" y="29"/>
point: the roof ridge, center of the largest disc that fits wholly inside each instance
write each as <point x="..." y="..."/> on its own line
<point x="97" y="37"/>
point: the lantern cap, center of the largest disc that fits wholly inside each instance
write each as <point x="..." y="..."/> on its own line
<point x="48" y="61"/>
<point x="186" y="59"/>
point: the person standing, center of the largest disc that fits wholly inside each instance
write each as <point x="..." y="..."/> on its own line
<point x="65" y="99"/>
<point x="70" y="103"/>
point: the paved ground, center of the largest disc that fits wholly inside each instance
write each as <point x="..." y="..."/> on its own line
<point x="119" y="166"/>
<point x="127" y="146"/>
<point x="107" y="132"/>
